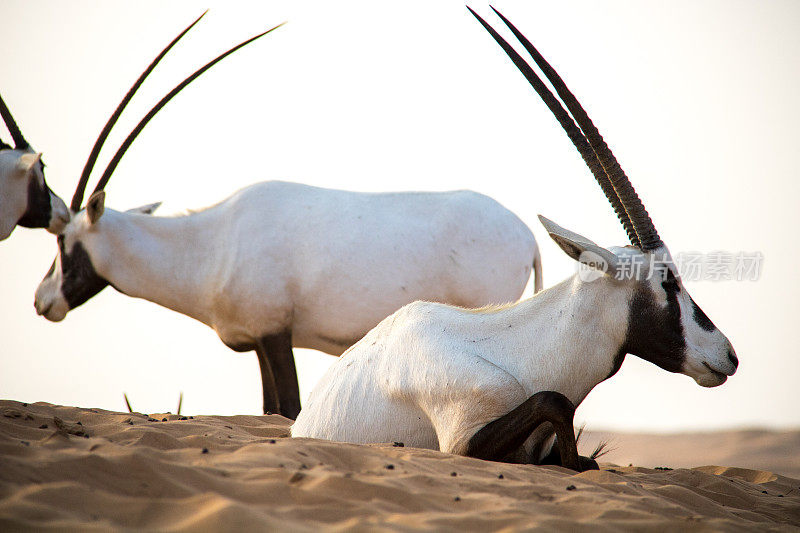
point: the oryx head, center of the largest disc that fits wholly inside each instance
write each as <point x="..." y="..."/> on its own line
<point x="664" y="324"/>
<point x="25" y="198"/>
<point x="73" y="277"/>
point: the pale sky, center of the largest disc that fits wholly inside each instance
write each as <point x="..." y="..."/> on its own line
<point x="698" y="100"/>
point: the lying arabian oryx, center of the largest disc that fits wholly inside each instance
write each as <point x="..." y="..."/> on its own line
<point x="281" y="264"/>
<point x="479" y="382"/>
<point x="25" y="198"/>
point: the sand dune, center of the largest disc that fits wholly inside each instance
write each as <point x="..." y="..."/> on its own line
<point x="89" y="469"/>
<point x="776" y="451"/>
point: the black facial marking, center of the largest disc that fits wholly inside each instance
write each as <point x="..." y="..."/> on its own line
<point x="655" y="333"/>
<point x="702" y="319"/>
<point x="39" y="210"/>
<point x="4" y="146"/>
<point x="79" y="281"/>
<point x="670" y="283"/>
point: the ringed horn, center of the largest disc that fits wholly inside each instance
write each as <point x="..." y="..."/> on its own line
<point x="590" y="144"/>
<point x="77" y="199"/>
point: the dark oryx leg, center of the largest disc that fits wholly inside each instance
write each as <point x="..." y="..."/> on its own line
<point x="268" y="387"/>
<point x="496" y="440"/>
<point x="554" y="458"/>
<point x="278" y="356"/>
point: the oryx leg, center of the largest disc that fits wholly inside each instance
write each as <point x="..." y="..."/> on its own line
<point x="279" y="378"/>
<point x="268" y="388"/>
<point x="506" y="435"/>
<point x="554" y="458"/>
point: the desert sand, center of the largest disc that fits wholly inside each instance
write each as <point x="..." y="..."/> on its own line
<point x="68" y="468"/>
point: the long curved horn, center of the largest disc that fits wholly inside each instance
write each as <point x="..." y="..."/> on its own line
<point x="19" y="141"/>
<point x="573" y="132"/>
<point x="132" y="136"/>
<point x="77" y="198"/>
<point x="642" y="223"/>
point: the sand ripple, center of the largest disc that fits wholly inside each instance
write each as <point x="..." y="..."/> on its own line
<point x="115" y="471"/>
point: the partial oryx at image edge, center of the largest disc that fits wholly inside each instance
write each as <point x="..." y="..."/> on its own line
<point x="281" y="264"/>
<point x="25" y="198"/>
<point x="502" y="383"/>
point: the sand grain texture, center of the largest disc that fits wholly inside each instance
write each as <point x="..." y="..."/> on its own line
<point x="123" y="471"/>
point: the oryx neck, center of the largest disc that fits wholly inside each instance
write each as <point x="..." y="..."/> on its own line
<point x="573" y="333"/>
<point x="161" y="259"/>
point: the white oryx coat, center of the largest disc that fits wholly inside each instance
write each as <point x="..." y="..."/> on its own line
<point x="325" y="264"/>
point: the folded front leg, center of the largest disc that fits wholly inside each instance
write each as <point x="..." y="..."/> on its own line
<point x="554" y="458"/>
<point x="504" y="436"/>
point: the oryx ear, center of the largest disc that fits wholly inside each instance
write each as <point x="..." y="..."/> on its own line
<point x="27" y="163"/>
<point x="580" y="248"/>
<point x="95" y="206"/>
<point x="148" y="209"/>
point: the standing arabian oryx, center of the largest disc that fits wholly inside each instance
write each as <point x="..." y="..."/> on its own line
<point x="25" y="198"/>
<point x="480" y="382"/>
<point x="279" y="265"/>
